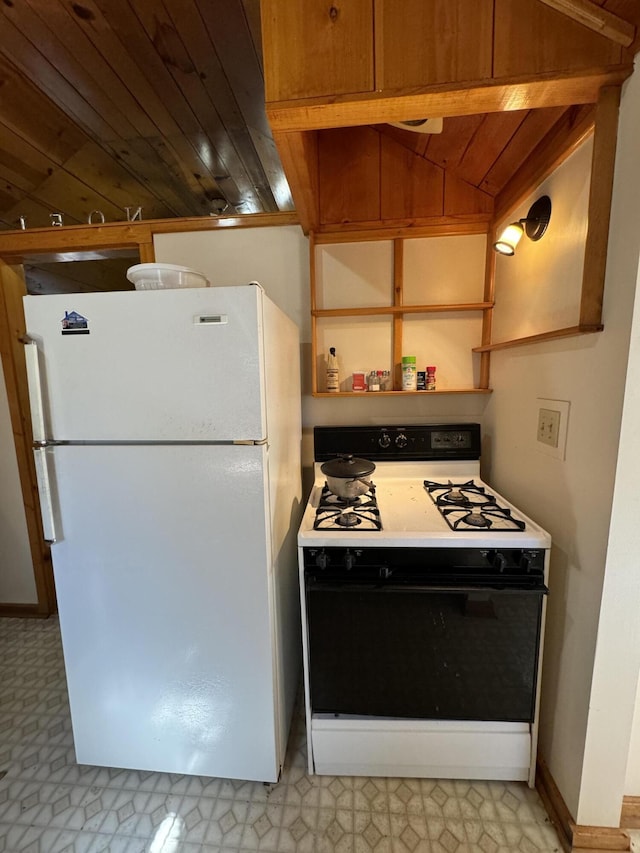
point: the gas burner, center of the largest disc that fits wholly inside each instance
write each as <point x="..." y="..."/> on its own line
<point x="329" y="499"/>
<point x="476" y="519"/>
<point x="467" y="494"/>
<point x="455" y="496"/>
<point x="348" y="519"/>
<point x="335" y="513"/>
<point x="468" y="506"/>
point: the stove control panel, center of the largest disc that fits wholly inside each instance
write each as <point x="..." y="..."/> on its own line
<point x="409" y="442"/>
<point x="443" y="566"/>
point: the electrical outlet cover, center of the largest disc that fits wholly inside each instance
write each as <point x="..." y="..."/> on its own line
<point x="552" y="406"/>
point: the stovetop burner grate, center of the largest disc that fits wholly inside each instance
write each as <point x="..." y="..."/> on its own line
<point x="468" y="506"/>
<point x="335" y="513"/>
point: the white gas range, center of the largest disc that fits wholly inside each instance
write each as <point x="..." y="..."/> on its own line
<point x="423" y="605"/>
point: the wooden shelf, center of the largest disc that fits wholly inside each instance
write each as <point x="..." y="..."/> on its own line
<point x="401" y="309"/>
<point x="401" y="393"/>
<point x="569" y="332"/>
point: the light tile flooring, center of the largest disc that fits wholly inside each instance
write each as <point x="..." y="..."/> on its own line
<point x="50" y="804"/>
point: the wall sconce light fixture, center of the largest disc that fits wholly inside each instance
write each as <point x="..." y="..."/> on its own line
<point x="534" y="226"/>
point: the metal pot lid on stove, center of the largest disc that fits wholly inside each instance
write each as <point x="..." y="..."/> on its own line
<point x="348" y="466"/>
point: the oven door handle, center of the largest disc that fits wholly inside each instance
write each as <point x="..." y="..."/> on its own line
<point x="377" y="586"/>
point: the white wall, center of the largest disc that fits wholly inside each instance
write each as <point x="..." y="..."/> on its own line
<point x="17" y="584"/>
<point x="277" y="257"/>
<point x="539" y="287"/>
<point x="617" y="658"/>
<point x="572" y="498"/>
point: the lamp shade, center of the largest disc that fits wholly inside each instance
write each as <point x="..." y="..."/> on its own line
<point x="534" y="226"/>
<point x="509" y="239"/>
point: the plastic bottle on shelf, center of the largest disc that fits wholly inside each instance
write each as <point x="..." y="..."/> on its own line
<point x="333" y="380"/>
<point x="409" y="373"/>
<point x="431" y="379"/>
<point x="373" y="381"/>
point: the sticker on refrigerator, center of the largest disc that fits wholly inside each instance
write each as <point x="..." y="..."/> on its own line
<point x="74" y="324"/>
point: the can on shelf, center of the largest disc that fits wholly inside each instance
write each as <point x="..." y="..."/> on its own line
<point x="359" y="381"/>
<point x="409" y="378"/>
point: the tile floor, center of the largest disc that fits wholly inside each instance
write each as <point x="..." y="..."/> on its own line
<point x="49" y="804"/>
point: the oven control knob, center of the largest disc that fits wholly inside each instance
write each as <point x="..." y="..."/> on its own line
<point x="401" y="440"/>
<point x="322" y="560"/>
<point x="349" y="560"/>
<point x="525" y="563"/>
<point x="500" y="562"/>
<point x="384" y="440"/>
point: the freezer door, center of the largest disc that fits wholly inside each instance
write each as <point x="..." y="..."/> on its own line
<point x="164" y="587"/>
<point x="163" y="365"/>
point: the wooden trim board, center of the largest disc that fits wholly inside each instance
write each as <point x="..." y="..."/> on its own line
<point x="425" y="394"/>
<point x="573" y="837"/>
<point x="13" y="364"/>
<point x="398" y="299"/>
<point x="399" y="308"/>
<point x="487" y="315"/>
<point x="21" y="611"/>
<point x="436" y="226"/>
<point x="596" y="19"/>
<point x="600" y="195"/>
<point x="76" y="238"/>
<point x="630" y="814"/>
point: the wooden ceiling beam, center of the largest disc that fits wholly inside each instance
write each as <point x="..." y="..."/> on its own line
<point x="596" y="18"/>
<point x="299" y="155"/>
<point x="546" y="90"/>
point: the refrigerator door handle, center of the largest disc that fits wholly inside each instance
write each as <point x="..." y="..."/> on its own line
<point x="40" y="455"/>
<point x="35" y="391"/>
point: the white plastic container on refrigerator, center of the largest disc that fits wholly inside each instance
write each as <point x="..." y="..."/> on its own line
<point x="167" y="431"/>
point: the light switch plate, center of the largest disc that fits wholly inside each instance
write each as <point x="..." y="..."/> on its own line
<point x="548" y="426"/>
<point x="552" y="418"/>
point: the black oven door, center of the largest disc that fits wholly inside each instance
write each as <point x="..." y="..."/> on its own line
<point x="423" y="652"/>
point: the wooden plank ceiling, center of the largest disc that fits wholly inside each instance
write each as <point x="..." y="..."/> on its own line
<point x="106" y="104"/>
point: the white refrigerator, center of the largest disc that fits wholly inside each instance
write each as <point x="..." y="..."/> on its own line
<point x="167" y="443"/>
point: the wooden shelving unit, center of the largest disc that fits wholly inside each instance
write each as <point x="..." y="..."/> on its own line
<point x="396" y="311"/>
